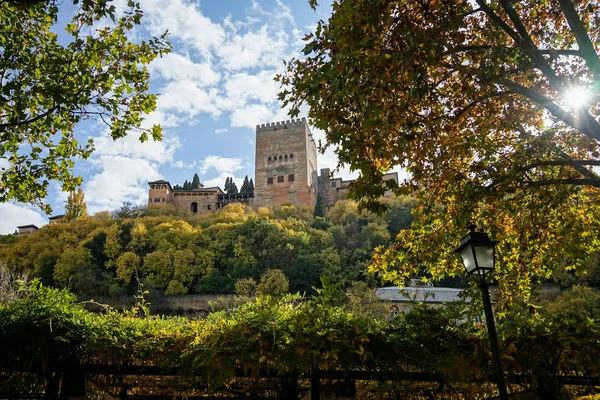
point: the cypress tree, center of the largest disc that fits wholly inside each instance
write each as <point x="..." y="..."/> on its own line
<point x="251" y="186"/>
<point x="319" y="207"/>
<point x="196" y="182"/>
<point x="245" y="186"/>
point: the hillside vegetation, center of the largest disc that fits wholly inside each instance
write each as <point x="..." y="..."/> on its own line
<point x="175" y="252"/>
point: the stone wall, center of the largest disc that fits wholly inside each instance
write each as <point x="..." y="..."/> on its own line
<point x="186" y="305"/>
<point x="285" y="165"/>
<point x="206" y="201"/>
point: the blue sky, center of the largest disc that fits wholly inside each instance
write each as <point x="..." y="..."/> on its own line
<point x="216" y="86"/>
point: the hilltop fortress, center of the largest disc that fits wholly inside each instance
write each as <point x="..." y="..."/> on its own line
<point x="285" y="173"/>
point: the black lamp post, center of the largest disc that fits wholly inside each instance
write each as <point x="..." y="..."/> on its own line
<point x="477" y="252"/>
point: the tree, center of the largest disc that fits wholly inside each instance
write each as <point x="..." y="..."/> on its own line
<point x="475" y="101"/>
<point x="186" y="185"/>
<point x="245" y="186"/>
<point x="230" y="186"/>
<point x="251" y="186"/>
<point x="273" y="283"/>
<point x="319" y="207"/>
<point x="227" y="186"/>
<point x="48" y="88"/>
<point x="75" y="205"/>
<point x="195" y="182"/>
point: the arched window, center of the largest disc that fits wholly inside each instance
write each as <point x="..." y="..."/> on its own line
<point x="194" y="208"/>
<point x="291" y="155"/>
<point x="285" y="157"/>
<point x="274" y="158"/>
<point x="269" y="159"/>
<point x="280" y="158"/>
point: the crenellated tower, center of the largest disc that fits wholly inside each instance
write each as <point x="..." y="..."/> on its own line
<point x="286" y="164"/>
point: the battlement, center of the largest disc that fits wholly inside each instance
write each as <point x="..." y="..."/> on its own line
<point x="273" y="126"/>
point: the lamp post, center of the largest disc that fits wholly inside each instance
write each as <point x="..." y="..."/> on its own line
<point x="477" y="252"/>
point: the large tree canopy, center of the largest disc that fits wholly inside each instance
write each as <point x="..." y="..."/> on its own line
<point x="491" y="106"/>
<point x="48" y="85"/>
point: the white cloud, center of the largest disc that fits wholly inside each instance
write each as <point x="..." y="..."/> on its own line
<point x="187" y="98"/>
<point x="251" y="115"/>
<point x="13" y="215"/>
<point x="220" y="164"/>
<point x="243" y="87"/>
<point x="176" y="67"/>
<point x="121" y="179"/>
<point x="185" y="22"/>
<point x="264" y="47"/>
<point x="221" y="130"/>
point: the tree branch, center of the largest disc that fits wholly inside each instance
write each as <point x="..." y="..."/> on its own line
<point x="586" y="47"/>
<point x="584" y="122"/>
<point x="30" y="120"/>
<point x="558" y="163"/>
<point x="568" y="181"/>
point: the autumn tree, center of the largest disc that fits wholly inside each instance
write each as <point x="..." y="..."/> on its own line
<point x="75" y="206"/>
<point x="491" y="107"/>
<point x="48" y="86"/>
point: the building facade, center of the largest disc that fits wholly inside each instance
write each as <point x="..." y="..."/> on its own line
<point x="285" y="169"/>
<point x="285" y="172"/>
<point x="199" y="200"/>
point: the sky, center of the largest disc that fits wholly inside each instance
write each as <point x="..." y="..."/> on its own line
<point x="215" y="87"/>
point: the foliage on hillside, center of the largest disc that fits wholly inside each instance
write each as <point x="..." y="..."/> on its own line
<point x="292" y="336"/>
<point x="176" y="252"/>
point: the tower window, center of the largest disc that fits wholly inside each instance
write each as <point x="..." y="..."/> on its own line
<point x="209" y="207"/>
<point x="274" y="158"/>
<point x="157" y="199"/>
<point x="280" y="158"/>
<point x="269" y="159"/>
<point x="270" y="180"/>
<point x="333" y="184"/>
<point x="285" y="157"/>
<point x="280" y="178"/>
<point x="291" y="178"/>
<point x="163" y="199"/>
<point x="292" y="155"/>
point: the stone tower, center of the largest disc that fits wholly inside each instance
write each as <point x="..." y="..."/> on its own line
<point x="286" y="164"/>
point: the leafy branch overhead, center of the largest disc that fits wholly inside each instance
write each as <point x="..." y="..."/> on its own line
<point x="48" y="86"/>
<point x="492" y="108"/>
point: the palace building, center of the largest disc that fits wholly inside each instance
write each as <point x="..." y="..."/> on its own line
<point x="285" y="173"/>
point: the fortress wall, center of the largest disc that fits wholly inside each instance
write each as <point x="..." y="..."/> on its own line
<point x="184" y="200"/>
<point x="274" y="142"/>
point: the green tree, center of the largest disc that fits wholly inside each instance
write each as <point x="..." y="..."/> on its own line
<point x="273" y="283"/>
<point x="319" y="207"/>
<point x="251" y="186"/>
<point x="69" y="262"/>
<point x="476" y="100"/>
<point x="158" y="266"/>
<point x="49" y="85"/>
<point x="75" y="206"/>
<point x="230" y="186"/>
<point x="245" y="185"/>
<point x="128" y="264"/>
<point x="195" y="182"/>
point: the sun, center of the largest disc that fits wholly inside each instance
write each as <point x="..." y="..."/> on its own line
<point x="577" y="97"/>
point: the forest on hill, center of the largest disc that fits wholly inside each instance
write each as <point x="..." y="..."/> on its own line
<point x="176" y="252"/>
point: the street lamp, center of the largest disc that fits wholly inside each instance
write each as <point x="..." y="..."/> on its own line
<point x="477" y="251"/>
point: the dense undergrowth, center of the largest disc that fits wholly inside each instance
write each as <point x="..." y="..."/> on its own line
<point x="48" y="330"/>
<point x="176" y="252"/>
